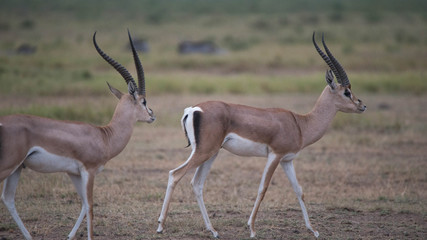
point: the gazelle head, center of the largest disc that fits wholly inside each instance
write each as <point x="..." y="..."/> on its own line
<point x="135" y="94"/>
<point x="344" y="99"/>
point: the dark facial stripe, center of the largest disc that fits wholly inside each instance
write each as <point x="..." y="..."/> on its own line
<point x="197" y="117"/>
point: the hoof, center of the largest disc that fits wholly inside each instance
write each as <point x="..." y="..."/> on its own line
<point x="216" y="235"/>
<point x="316" y="234"/>
<point x="160" y="229"/>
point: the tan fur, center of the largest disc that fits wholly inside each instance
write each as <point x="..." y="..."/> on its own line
<point x="89" y="145"/>
<point x="282" y="132"/>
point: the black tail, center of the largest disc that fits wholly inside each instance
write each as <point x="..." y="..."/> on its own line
<point x="197" y="119"/>
<point x="184" y="120"/>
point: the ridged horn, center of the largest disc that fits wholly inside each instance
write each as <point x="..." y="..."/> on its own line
<point x="122" y="70"/>
<point x="327" y="59"/>
<point x="342" y="75"/>
<point x="139" y="69"/>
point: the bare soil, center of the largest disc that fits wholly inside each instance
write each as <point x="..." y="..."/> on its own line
<point x="366" y="179"/>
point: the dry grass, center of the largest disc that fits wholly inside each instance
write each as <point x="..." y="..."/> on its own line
<point x="365" y="179"/>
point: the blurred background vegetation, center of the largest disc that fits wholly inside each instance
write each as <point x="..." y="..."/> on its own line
<point x="46" y="47"/>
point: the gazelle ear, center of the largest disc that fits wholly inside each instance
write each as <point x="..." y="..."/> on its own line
<point x="330" y="79"/>
<point x="133" y="91"/>
<point x="116" y="92"/>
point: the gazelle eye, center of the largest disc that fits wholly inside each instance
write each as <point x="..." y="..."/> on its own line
<point x="347" y="93"/>
<point x="144" y="102"/>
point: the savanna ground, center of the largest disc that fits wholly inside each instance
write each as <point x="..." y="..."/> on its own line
<point x="365" y="179"/>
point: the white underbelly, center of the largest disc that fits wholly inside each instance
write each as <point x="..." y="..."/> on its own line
<point x="244" y="147"/>
<point x="40" y="160"/>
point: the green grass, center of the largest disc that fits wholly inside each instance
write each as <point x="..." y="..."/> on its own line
<point x="72" y="112"/>
<point x="382" y="46"/>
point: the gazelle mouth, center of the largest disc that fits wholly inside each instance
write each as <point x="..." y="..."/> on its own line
<point x="362" y="109"/>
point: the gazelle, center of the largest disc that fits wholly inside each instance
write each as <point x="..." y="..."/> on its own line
<point x="275" y="133"/>
<point x="79" y="149"/>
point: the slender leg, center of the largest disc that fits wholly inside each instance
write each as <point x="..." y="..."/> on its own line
<point x="175" y="176"/>
<point x="89" y="198"/>
<point x="84" y="185"/>
<point x="78" y="183"/>
<point x="197" y="183"/>
<point x="271" y="165"/>
<point x="8" y="197"/>
<point x="289" y="169"/>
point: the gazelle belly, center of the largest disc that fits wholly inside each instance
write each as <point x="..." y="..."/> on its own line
<point x="40" y="160"/>
<point x="243" y="146"/>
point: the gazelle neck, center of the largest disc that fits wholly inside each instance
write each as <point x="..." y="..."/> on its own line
<point x="315" y="123"/>
<point x="118" y="132"/>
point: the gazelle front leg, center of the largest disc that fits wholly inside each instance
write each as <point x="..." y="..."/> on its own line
<point x="80" y="187"/>
<point x="197" y="182"/>
<point x="89" y="180"/>
<point x="289" y="169"/>
<point x="84" y="186"/>
<point x="8" y="197"/>
<point x="271" y="165"/>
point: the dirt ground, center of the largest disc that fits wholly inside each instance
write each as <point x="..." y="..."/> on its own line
<point x="366" y="179"/>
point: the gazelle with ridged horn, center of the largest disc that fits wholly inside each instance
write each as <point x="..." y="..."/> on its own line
<point x="79" y="149"/>
<point x="275" y="133"/>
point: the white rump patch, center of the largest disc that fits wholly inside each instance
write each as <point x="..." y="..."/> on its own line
<point x="40" y="160"/>
<point x="244" y="147"/>
<point x="189" y="123"/>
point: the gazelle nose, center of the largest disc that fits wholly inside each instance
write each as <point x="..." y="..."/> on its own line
<point x="152" y="119"/>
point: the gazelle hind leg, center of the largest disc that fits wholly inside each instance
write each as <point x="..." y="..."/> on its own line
<point x="289" y="169"/>
<point x="197" y="182"/>
<point x="269" y="169"/>
<point x="175" y="176"/>
<point x="8" y="197"/>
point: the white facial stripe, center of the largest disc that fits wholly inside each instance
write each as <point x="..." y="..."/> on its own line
<point x="148" y="109"/>
<point x="244" y="147"/>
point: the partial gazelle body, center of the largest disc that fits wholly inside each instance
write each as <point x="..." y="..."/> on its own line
<point x="275" y="133"/>
<point x="79" y="149"/>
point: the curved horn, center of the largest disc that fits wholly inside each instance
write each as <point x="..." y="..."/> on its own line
<point x="122" y="70"/>
<point x="342" y="75"/>
<point x="139" y="69"/>
<point x="327" y="60"/>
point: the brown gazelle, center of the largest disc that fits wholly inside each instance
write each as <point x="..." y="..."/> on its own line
<point x="79" y="149"/>
<point x="275" y="133"/>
